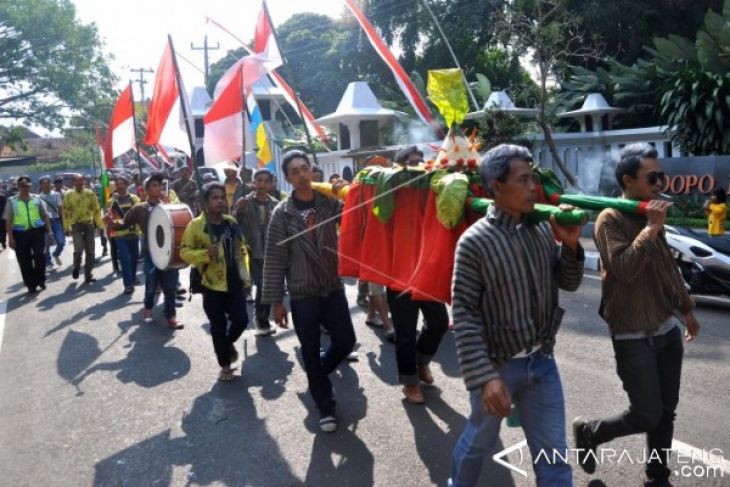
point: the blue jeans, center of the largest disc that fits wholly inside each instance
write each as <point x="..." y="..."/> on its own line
<point x="334" y="314"/>
<point x="128" y="254"/>
<point x="58" y="236"/>
<point x="534" y="384"/>
<point x="167" y="281"/>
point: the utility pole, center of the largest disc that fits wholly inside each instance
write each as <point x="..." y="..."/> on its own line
<point x="205" y="48"/>
<point x="141" y="81"/>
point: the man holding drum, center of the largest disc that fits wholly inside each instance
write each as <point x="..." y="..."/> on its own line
<point x="167" y="279"/>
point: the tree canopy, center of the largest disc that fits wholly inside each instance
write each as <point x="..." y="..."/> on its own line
<point x="51" y="66"/>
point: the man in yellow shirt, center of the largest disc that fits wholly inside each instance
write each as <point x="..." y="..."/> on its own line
<point x="81" y="218"/>
<point x="716" y="211"/>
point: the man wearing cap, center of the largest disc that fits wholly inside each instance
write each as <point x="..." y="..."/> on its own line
<point x="58" y="186"/>
<point x="138" y="216"/>
<point x="126" y="241"/>
<point x="235" y="189"/>
<point x="81" y="218"/>
<point x="26" y="224"/>
<point x="54" y="207"/>
<point x="187" y="190"/>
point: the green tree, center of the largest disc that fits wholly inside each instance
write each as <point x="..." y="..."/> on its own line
<point x="683" y="84"/>
<point x="51" y="63"/>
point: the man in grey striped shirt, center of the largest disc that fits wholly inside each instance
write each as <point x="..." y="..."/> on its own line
<point x="507" y="273"/>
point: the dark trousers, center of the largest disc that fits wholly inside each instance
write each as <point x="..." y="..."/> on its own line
<point x="3" y="235"/>
<point x="113" y="253"/>
<point x="262" y="310"/>
<point x="83" y="237"/>
<point x="127" y="250"/>
<point x="30" y="250"/>
<point x="412" y="349"/>
<point x="227" y="315"/>
<point x="166" y="280"/>
<point x="650" y="370"/>
<point x="333" y="313"/>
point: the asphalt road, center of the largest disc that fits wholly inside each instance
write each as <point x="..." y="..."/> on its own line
<point x="90" y="395"/>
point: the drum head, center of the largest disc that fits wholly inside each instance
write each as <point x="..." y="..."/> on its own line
<point x="160" y="239"/>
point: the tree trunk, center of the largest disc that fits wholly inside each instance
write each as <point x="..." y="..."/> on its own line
<point x="547" y="133"/>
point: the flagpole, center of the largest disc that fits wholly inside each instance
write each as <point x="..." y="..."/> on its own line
<point x="134" y="130"/>
<point x="285" y="64"/>
<point x="244" y="115"/>
<point x="183" y="105"/>
<point x="453" y="55"/>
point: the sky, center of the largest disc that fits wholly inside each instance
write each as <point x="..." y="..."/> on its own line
<point x="135" y="31"/>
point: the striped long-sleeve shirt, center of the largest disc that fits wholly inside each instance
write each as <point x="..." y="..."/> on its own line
<point x="505" y="292"/>
<point x="642" y="286"/>
<point x="305" y="257"/>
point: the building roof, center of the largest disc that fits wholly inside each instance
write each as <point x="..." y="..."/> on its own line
<point x="500" y="100"/>
<point x="594" y="104"/>
<point x="358" y="103"/>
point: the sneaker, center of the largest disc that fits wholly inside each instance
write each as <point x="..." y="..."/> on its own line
<point x="586" y="449"/>
<point x="128" y="290"/>
<point x="352" y="356"/>
<point x="328" y="424"/>
<point x="75" y="273"/>
<point x="181" y="291"/>
<point x="137" y="282"/>
<point x="390" y="335"/>
<point x="49" y="266"/>
<point x="90" y="280"/>
<point x="174" y="324"/>
<point x="57" y="259"/>
<point x="32" y="290"/>
<point x="42" y="286"/>
<point x="147" y="315"/>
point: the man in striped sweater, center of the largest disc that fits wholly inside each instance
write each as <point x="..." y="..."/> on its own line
<point x="507" y="272"/>
<point x="301" y="249"/>
<point x="644" y="301"/>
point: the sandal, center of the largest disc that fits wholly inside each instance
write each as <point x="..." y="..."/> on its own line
<point x="226" y="375"/>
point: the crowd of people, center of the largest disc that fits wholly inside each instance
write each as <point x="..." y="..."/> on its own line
<point x="506" y="311"/>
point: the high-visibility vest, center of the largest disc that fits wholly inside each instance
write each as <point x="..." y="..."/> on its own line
<point x="26" y="214"/>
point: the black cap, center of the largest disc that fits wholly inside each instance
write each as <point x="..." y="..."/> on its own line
<point x="58" y="179"/>
<point x="24" y="180"/>
<point x="153" y="177"/>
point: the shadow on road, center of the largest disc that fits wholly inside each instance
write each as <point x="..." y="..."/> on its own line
<point x="341" y="458"/>
<point x="224" y="443"/>
<point x="92" y="313"/>
<point x="149" y="363"/>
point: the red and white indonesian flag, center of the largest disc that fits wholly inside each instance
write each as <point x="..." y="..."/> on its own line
<point x="120" y="135"/>
<point x="165" y="121"/>
<point x="224" y="130"/>
<point x="264" y="41"/>
<point x="103" y="145"/>
<point x="401" y="77"/>
<point x="276" y="78"/>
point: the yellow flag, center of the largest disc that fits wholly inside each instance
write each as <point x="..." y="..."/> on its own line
<point x="446" y="90"/>
<point x="262" y="141"/>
